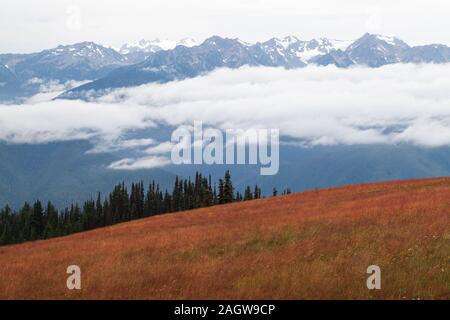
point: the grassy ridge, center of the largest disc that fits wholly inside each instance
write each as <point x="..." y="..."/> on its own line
<point x="312" y="245"/>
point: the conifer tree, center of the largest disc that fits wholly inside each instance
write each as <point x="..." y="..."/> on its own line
<point x="274" y="192"/>
<point x="228" y="191"/>
<point x="51" y="221"/>
<point x="248" y="195"/>
<point x="37" y="221"/>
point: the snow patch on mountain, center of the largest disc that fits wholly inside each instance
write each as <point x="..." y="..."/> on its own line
<point x="388" y="39"/>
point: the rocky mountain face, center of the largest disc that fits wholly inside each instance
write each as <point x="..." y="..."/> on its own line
<point x="9" y="84"/>
<point x="435" y="53"/>
<point x="81" y="61"/>
<point x="375" y="50"/>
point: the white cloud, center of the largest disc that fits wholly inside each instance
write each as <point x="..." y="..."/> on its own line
<point x="161" y="148"/>
<point x="69" y="120"/>
<point x="140" y="163"/>
<point x="314" y="105"/>
<point x="324" y="105"/>
<point x="120" y="144"/>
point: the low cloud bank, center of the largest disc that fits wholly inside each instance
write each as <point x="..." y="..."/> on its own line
<point x="316" y="105"/>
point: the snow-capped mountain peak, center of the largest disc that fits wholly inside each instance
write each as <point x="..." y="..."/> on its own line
<point x="187" y="42"/>
<point x="92" y="51"/>
<point x="375" y="50"/>
<point x="281" y="44"/>
<point x="295" y="48"/>
<point x="378" y="40"/>
<point x="157" y="44"/>
<point x="140" y="46"/>
<point x="388" y="39"/>
<point x="287" y="41"/>
<point x="340" y="44"/>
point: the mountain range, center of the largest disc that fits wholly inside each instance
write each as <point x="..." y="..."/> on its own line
<point x="163" y="60"/>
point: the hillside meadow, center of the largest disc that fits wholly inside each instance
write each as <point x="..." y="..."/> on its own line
<point x="311" y="245"/>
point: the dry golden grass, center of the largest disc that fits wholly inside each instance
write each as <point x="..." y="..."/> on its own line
<point x="313" y="245"/>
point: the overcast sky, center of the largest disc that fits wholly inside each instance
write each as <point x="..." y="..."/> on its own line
<point x="29" y="25"/>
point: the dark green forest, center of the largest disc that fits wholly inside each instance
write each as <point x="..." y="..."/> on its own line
<point x="43" y="221"/>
